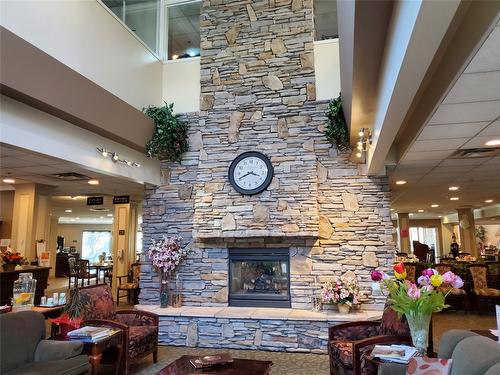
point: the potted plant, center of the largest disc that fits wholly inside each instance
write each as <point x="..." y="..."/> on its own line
<point x="344" y="291"/>
<point x="166" y="255"/>
<point x="336" y="131"/>
<point x="170" y="139"/>
<point x="11" y="259"/>
<point x="71" y="317"/>
<point x="418" y="301"/>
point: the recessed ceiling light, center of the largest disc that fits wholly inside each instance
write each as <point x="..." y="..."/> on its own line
<point x="440" y="216"/>
<point x="400" y="182"/>
<point x="454" y="199"/>
<point x="9" y="180"/>
<point x="493" y="142"/>
<point x="488" y="201"/>
<point x="392" y="209"/>
<point x="93" y="182"/>
<point x="77" y="218"/>
<point x="453" y="188"/>
<point x="71" y="219"/>
<point x="101" y="217"/>
<point x="420" y="210"/>
<point x="68" y="210"/>
<point x="109" y="215"/>
<point x="434" y="205"/>
<point x="358" y="155"/>
<point x="410" y="214"/>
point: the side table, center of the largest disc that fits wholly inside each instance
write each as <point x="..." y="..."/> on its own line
<point x="95" y="350"/>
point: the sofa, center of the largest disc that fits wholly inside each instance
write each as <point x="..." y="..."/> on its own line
<point x="24" y="350"/>
<point x="471" y="354"/>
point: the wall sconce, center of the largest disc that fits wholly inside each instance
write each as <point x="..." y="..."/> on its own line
<point x="115" y="158"/>
<point x="365" y="138"/>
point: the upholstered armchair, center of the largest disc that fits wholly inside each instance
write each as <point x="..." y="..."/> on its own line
<point x="480" y="289"/>
<point x="349" y="342"/>
<point x="140" y="327"/>
<point x="456" y="296"/>
<point x="411" y="272"/>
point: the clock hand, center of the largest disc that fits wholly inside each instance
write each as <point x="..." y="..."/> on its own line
<point x="255" y="174"/>
<point x="249" y="173"/>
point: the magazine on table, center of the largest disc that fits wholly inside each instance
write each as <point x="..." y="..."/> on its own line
<point x="90" y="334"/>
<point x="394" y="353"/>
<point x="211" y="360"/>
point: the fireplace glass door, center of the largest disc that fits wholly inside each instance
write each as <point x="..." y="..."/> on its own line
<point x="259" y="277"/>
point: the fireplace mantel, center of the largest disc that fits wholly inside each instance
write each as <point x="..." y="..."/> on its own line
<point x="252" y="233"/>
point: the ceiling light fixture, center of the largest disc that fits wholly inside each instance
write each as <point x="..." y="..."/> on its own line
<point x="454" y="199"/>
<point x="453" y="188"/>
<point x="488" y="201"/>
<point x="9" y="180"/>
<point x="434" y="205"/>
<point x="410" y="214"/>
<point x="359" y="154"/>
<point x="93" y="182"/>
<point x="109" y="215"/>
<point x="392" y="209"/>
<point x="115" y="157"/>
<point x="440" y="216"/>
<point x="68" y="211"/>
<point x="493" y="142"/>
<point x="400" y="182"/>
<point x="361" y="132"/>
<point x="420" y="210"/>
<point x="365" y="138"/>
<point x="77" y="218"/>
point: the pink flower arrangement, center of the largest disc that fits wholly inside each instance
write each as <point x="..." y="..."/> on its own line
<point x="166" y="254"/>
<point x="427" y="295"/>
<point x="342" y="290"/>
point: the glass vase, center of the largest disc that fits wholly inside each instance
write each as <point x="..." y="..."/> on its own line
<point x="24" y="291"/>
<point x="419" y="329"/>
<point x="164" y="291"/>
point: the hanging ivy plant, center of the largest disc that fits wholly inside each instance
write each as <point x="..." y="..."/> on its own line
<point x="170" y="139"/>
<point x="336" y="128"/>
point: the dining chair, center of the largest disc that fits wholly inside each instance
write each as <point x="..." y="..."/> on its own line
<point x="131" y="286"/>
<point x="83" y="271"/>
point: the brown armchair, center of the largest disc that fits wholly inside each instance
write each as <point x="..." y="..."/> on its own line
<point x="457" y="297"/>
<point x="483" y="295"/>
<point x="140" y="327"/>
<point x="349" y="342"/>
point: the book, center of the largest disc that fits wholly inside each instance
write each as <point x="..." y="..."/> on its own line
<point x="394" y="353"/>
<point x="89" y="332"/>
<point x="211" y="360"/>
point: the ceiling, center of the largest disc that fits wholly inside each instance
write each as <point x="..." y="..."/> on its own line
<point x="80" y="212"/>
<point x="467" y="118"/>
<point x="28" y="167"/>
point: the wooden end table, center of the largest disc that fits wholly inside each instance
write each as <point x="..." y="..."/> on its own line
<point x="182" y="366"/>
<point x="95" y="350"/>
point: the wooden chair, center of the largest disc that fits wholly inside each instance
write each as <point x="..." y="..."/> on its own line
<point x="131" y="286"/>
<point x="420" y="250"/>
<point x="83" y="271"/>
<point x="73" y="273"/>
<point x="140" y="328"/>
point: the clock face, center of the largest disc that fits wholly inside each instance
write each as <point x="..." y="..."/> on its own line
<point x="250" y="173"/>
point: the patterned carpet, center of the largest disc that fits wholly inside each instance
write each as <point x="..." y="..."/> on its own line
<point x="283" y="363"/>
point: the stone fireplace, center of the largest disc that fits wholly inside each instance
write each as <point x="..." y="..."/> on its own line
<point x="258" y="94"/>
<point x="259" y="277"/>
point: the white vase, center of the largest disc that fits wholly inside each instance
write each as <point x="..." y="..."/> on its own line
<point x="343" y="309"/>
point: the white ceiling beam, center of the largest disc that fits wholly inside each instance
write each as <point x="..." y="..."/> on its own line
<point x="415" y="34"/>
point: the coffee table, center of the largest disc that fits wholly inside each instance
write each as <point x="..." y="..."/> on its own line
<point x="182" y="366"/>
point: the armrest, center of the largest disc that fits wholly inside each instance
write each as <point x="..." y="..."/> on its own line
<point x="137" y="318"/>
<point x="353" y="330"/>
<point x="392" y="369"/>
<point x="52" y="350"/>
<point x="107" y="323"/>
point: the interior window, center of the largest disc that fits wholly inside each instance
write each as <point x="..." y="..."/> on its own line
<point x="183" y="30"/>
<point x="325" y="19"/>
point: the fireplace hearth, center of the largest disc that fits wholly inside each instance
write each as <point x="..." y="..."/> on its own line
<point x="259" y="277"/>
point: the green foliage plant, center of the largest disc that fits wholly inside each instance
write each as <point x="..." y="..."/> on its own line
<point x="336" y="127"/>
<point x="170" y="138"/>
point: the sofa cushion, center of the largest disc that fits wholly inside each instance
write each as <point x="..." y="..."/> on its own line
<point x="72" y="366"/>
<point x="475" y="355"/>
<point x="342" y="351"/>
<point x="141" y="339"/>
<point x="52" y="350"/>
<point x="20" y="334"/>
<point x="450" y="339"/>
<point x="493" y="370"/>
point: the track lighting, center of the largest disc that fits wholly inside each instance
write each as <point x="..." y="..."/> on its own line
<point x="116" y="158"/>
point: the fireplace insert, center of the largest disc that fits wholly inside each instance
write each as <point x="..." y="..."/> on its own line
<point x="259" y="277"/>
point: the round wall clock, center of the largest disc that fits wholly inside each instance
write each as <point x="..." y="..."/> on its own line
<point x="250" y="173"/>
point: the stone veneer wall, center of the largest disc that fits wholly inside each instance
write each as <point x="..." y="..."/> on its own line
<point x="258" y="93"/>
